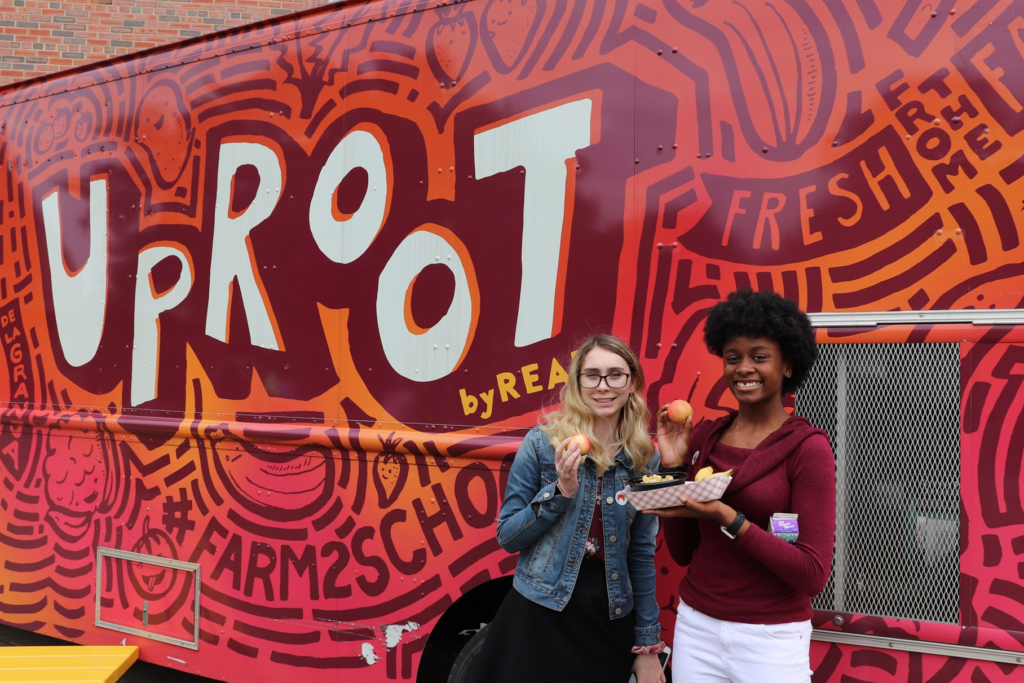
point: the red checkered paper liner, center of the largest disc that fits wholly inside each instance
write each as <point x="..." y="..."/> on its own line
<point x="711" y="488"/>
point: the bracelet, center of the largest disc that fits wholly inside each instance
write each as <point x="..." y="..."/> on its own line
<point x="655" y="649"/>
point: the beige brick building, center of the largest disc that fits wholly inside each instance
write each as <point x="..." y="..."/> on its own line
<point x="42" y="36"/>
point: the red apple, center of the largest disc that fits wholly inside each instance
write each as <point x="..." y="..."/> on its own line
<point x="582" y="441"/>
<point x="679" y="410"/>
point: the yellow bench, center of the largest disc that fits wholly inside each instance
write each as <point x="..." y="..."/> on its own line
<point x="66" y="664"/>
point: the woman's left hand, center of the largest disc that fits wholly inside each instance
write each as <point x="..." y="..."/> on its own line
<point x="648" y="669"/>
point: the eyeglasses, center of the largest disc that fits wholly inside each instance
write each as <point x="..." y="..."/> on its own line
<point x="592" y="380"/>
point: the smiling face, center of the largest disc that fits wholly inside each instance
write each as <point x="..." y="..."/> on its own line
<point x="604" y="401"/>
<point x="754" y="369"/>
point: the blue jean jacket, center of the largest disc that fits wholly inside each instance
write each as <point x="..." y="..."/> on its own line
<point x="549" y="531"/>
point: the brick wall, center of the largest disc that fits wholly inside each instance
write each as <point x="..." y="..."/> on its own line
<point x="42" y="36"/>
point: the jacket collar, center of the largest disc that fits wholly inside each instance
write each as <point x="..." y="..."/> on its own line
<point x="621" y="459"/>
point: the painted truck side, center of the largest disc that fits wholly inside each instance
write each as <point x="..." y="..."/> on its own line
<point x="277" y="305"/>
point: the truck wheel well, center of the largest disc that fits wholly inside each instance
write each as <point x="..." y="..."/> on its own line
<point x="457" y="625"/>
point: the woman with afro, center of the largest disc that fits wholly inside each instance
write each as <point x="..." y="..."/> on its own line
<point x="745" y="602"/>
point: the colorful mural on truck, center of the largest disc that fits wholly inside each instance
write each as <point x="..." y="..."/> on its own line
<point x="281" y="301"/>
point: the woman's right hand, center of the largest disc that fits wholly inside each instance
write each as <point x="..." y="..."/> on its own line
<point x="648" y="669"/>
<point x="567" y="464"/>
<point x="673" y="439"/>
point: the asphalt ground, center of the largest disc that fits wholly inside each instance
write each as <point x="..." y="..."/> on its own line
<point x="140" y="672"/>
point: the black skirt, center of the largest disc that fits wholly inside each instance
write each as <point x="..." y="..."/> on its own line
<point x="527" y="642"/>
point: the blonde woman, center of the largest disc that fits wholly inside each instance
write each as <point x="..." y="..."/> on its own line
<point x="584" y="607"/>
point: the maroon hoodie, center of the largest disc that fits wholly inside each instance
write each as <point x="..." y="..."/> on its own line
<point x="758" y="578"/>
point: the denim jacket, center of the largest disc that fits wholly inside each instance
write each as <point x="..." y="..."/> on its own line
<point x="549" y="531"/>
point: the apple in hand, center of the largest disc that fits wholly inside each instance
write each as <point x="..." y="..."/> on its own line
<point x="582" y="441"/>
<point x="679" y="410"/>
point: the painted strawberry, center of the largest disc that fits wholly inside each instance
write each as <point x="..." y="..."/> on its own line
<point x="451" y="42"/>
<point x="83" y="124"/>
<point x="61" y="122"/>
<point x="509" y="27"/>
<point x="44" y="138"/>
<point x="390" y="470"/>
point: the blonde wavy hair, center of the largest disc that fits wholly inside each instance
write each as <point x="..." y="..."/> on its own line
<point x="573" y="417"/>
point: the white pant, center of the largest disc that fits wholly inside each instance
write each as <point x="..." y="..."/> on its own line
<point x="708" y="650"/>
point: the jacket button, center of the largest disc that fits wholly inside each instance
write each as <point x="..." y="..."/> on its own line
<point x="618" y="610"/>
<point x="611" y="539"/>
<point x="547" y="495"/>
<point x="609" y="500"/>
<point x="615" y="577"/>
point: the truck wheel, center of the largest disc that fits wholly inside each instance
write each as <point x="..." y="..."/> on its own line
<point x="460" y="669"/>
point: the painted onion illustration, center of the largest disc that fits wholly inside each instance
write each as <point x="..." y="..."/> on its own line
<point x="780" y="69"/>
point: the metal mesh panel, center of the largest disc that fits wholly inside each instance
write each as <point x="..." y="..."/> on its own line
<point x="892" y="414"/>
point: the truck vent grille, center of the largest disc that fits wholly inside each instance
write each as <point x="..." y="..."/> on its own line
<point x="892" y="415"/>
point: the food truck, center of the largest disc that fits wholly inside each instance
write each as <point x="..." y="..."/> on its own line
<point x="278" y="304"/>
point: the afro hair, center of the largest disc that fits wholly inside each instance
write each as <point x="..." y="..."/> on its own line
<point x="746" y="313"/>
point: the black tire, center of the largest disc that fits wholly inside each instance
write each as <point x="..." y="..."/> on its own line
<point x="463" y="662"/>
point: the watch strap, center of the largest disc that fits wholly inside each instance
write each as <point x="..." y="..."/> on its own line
<point x="733" y="529"/>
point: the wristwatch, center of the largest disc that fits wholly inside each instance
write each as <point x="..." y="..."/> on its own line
<point x="734" y="528"/>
